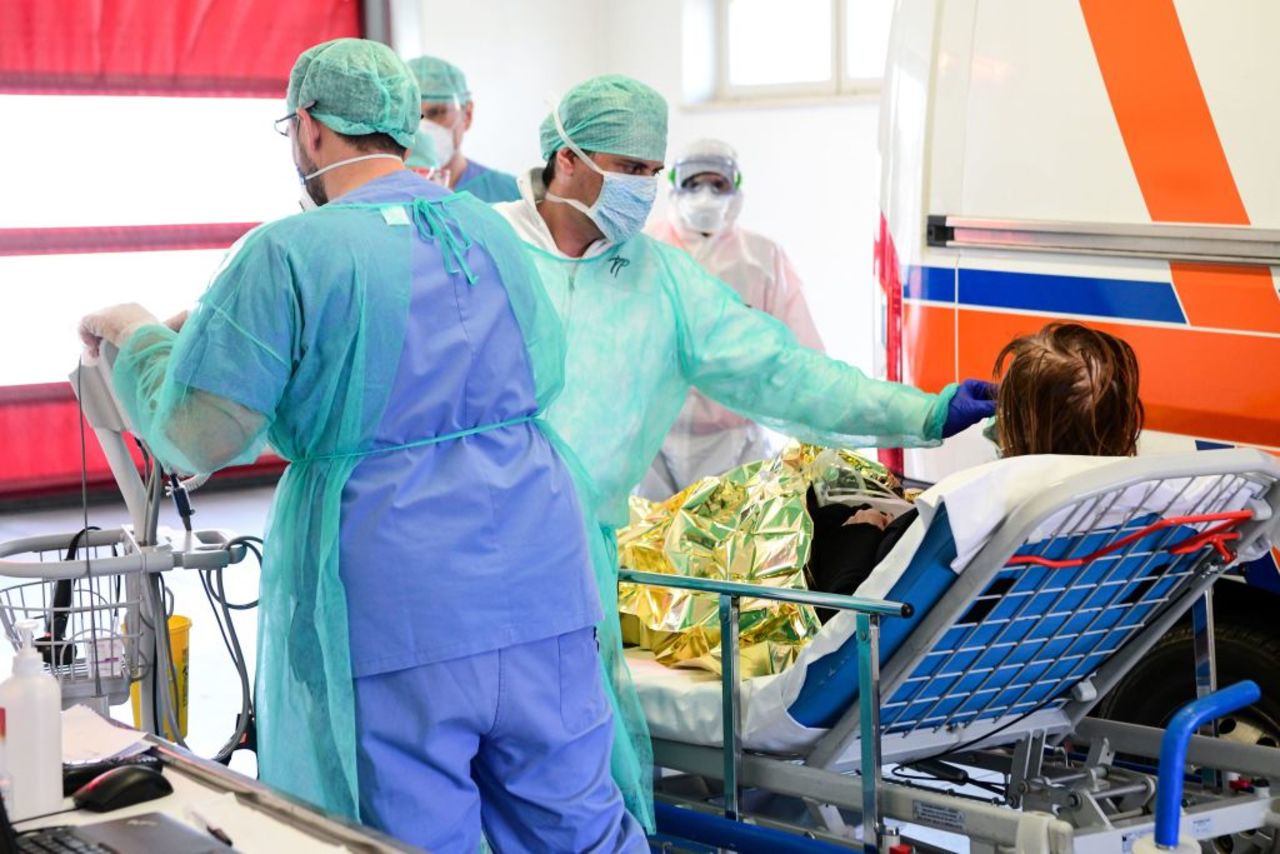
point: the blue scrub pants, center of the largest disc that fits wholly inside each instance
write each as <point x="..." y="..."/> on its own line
<point x="516" y="740"/>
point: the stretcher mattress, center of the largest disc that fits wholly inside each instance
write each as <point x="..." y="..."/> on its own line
<point x="1049" y="626"/>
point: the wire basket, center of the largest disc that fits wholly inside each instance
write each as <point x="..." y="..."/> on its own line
<point x="88" y="627"/>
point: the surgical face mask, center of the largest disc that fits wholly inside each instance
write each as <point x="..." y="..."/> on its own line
<point x="706" y="211"/>
<point x="624" y="202"/>
<point x="307" y="201"/>
<point x="442" y="137"/>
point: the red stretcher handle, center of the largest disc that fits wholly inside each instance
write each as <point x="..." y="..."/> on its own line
<point x="1217" y="537"/>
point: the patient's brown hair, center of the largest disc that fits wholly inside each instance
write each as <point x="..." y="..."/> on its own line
<point x="1068" y="389"/>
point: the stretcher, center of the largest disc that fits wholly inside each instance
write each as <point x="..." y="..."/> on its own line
<point x="972" y="656"/>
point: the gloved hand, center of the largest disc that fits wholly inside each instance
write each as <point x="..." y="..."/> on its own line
<point x="113" y="325"/>
<point x="973" y="401"/>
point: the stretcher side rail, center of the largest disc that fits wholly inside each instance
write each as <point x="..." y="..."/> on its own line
<point x="868" y="613"/>
<point x="816" y="598"/>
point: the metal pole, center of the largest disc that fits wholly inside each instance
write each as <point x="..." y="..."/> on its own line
<point x="730" y="689"/>
<point x="141" y="627"/>
<point x="868" y="629"/>
<point x="1206" y="669"/>
<point x="376" y="20"/>
<point x="1206" y="661"/>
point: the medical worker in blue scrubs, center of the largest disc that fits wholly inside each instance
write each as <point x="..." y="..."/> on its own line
<point x="427" y="659"/>
<point x="447" y="111"/>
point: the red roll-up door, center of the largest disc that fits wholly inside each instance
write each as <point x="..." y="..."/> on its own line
<point x="231" y="48"/>
<point x="60" y="63"/>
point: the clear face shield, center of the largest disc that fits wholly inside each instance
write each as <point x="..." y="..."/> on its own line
<point x="705" y="193"/>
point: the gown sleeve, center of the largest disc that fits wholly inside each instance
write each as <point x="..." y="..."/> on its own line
<point x="752" y="363"/>
<point x="205" y="398"/>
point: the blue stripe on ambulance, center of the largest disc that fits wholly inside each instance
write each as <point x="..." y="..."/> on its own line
<point x="1122" y="299"/>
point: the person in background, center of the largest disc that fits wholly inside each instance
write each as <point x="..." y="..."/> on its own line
<point x="394" y="343"/>
<point x="447" y="111"/>
<point x="702" y="219"/>
<point x="1066" y="389"/>
<point x="645" y="323"/>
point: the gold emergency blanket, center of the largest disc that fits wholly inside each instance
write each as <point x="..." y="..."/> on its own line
<point x="751" y="525"/>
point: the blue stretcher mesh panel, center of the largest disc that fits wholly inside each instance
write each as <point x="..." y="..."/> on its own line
<point x="1033" y="633"/>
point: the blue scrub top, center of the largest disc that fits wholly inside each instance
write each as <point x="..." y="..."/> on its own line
<point x="447" y="549"/>
<point x="488" y="185"/>
<point x="473" y="544"/>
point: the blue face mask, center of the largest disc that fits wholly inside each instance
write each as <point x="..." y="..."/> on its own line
<point x="624" y="202"/>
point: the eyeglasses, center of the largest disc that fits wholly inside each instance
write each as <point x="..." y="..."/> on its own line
<point x="282" y="124"/>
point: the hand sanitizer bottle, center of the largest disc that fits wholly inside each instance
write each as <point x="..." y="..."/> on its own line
<point x="32" y="703"/>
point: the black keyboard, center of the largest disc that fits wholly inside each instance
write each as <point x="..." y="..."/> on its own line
<point x="57" y="840"/>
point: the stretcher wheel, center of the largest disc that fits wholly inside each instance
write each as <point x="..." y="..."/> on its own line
<point x="1163" y="682"/>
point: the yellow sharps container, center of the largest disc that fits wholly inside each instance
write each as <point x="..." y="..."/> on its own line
<point x="180" y="643"/>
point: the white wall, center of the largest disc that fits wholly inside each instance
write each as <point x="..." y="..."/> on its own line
<point x="811" y="171"/>
<point x="516" y="54"/>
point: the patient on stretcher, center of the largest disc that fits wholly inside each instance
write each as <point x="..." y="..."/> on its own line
<point x="815" y="518"/>
<point x="1066" y="389"/>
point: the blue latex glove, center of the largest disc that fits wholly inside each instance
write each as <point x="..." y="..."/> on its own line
<point x="973" y="401"/>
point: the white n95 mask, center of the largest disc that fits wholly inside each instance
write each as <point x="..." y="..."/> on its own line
<point x="442" y="138"/>
<point x="624" y="202"/>
<point x="706" y="211"/>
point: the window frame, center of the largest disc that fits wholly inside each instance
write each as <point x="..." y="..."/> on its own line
<point x="838" y="84"/>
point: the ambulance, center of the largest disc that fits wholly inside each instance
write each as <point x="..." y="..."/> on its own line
<point x="1114" y="163"/>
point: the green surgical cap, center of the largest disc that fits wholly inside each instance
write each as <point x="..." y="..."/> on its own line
<point x="440" y="80"/>
<point x="358" y="87"/>
<point x="613" y="115"/>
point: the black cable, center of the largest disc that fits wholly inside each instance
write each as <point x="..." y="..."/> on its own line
<point x="960" y="748"/>
<point x="52" y="646"/>
<point x="994" y="788"/>
<point x="215" y="589"/>
<point x="248" y="542"/>
<point x="951" y="793"/>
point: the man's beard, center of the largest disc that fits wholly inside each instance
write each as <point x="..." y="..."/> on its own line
<point x="314" y="186"/>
